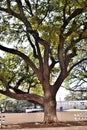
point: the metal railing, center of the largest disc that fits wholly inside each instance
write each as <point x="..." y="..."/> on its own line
<point x="80" y="116"/>
<point x="71" y="104"/>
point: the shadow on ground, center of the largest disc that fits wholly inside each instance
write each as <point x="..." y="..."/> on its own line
<point x="42" y="125"/>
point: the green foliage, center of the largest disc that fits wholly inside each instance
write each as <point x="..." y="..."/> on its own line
<point x="73" y="96"/>
<point x="12" y="105"/>
<point x="77" y="79"/>
<point x="2" y="97"/>
<point x="37" y="90"/>
<point x="13" y="68"/>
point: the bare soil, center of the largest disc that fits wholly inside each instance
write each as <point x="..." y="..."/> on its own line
<point x="42" y="125"/>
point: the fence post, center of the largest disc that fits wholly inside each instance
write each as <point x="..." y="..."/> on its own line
<point x="2" y="119"/>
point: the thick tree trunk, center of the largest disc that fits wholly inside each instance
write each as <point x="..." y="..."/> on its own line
<point x="50" y="115"/>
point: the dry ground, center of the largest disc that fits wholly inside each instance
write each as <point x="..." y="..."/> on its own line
<point x="42" y="125"/>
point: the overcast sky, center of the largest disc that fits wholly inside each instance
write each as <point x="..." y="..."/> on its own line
<point x="62" y="92"/>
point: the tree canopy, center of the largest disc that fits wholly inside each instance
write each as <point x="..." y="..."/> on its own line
<point x="47" y="38"/>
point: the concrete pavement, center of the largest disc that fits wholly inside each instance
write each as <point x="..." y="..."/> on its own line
<point x="33" y="117"/>
<point x="15" y="118"/>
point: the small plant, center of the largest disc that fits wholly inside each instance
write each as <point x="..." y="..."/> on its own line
<point x="85" y="107"/>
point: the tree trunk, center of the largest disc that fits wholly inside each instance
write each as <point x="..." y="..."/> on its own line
<point x="50" y="115"/>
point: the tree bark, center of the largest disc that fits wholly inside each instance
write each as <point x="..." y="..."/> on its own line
<point x="50" y="114"/>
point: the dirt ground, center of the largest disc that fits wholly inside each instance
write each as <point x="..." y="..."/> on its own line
<point x="42" y="125"/>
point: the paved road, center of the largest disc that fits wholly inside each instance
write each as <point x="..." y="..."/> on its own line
<point x="56" y="128"/>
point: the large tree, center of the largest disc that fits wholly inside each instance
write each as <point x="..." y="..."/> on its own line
<point x="46" y="35"/>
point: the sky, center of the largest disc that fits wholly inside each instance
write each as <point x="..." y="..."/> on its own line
<point x="62" y="92"/>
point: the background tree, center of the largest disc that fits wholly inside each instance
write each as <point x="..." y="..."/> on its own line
<point x="54" y="32"/>
<point x="13" y="105"/>
<point x="77" y="95"/>
<point x="76" y="83"/>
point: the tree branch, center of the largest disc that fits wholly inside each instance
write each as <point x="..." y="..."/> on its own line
<point x="64" y="12"/>
<point x="77" y="90"/>
<point x="77" y="64"/>
<point x="11" y="12"/>
<point x="60" y="53"/>
<point x="29" y="6"/>
<point x="74" y="14"/>
<point x="20" y="81"/>
<point x="29" y="97"/>
<point x="20" y="95"/>
<point x="20" y="7"/>
<point x="33" y="47"/>
<point x="53" y="61"/>
<point x="22" y="55"/>
<point x="4" y="82"/>
<point x="22" y="18"/>
<point x="8" y="5"/>
<point x="39" y="55"/>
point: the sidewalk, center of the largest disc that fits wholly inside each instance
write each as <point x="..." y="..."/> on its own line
<point x="16" y="118"/>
